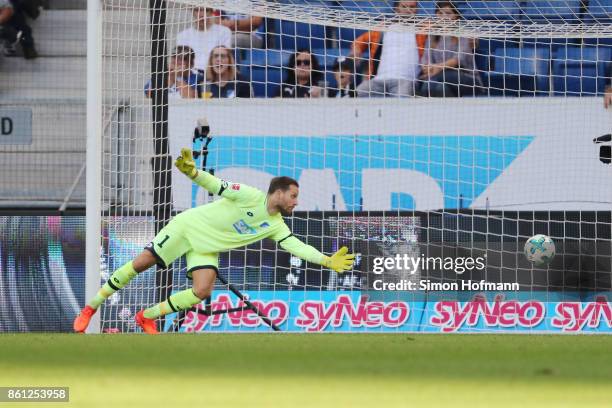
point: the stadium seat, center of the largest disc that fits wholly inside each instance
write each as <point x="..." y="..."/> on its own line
<point x="346" y="36"/>
<point x="370" y="6"/>
<point x="520" y="72"/>
<point x="290" y="35"/>
<point x="490" y="10"/>
<point x="552" y="10"/>
<point x="263" y="58"/>
<point x="599" y="11"/>
<point x="266" y="81"/>
<point x="580" y="71"/>
<point x="427" y="8"/>
<point x="328" y="57"/>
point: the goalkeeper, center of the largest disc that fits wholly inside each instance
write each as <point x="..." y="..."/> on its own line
<point x="244" y="215"/>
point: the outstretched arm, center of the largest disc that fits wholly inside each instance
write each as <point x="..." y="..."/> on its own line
<point x="340" y="262"/>
<point x="212" y="184"/>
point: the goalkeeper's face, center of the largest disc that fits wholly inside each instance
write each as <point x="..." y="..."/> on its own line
<point x="287" y="200"/>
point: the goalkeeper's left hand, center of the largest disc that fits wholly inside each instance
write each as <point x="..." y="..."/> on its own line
<point x="340" y="261"/>
<point x="186" y="164"/>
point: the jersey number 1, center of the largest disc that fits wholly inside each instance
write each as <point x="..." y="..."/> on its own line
<point x="161" y="244"/>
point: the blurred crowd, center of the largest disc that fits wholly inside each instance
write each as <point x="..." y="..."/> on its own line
<point x="396" y="63"/>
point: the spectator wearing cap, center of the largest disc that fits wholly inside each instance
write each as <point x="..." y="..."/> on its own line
<point x="344" y="73"/>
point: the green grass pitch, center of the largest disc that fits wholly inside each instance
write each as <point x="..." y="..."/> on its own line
<point x="325" y="370"/>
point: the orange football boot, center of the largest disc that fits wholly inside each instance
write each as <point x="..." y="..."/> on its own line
<point x="82" y="320"/>
<point x="147" y="325"/>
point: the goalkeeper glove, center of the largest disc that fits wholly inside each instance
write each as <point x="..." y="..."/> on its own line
<point x="186" y="164"/>
<point x="340" y="261"/>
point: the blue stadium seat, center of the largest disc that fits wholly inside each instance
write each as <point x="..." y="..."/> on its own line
<point x="370" y="6"/>
<point x="580" y="71"/>
<point x="263" y="58"/>
<point x="485" y="50"/>
<point x="346" y="36"/>
<point x="290" y="35"/>
<point x="520" y="72"/>
<point x="554" y="11"/>
<point x="600" y="11"/>
<point x="266" y="81"/>
<point x="427" y="8"/>
<point x="327" y="57"/>
<point x="490" y="10"/>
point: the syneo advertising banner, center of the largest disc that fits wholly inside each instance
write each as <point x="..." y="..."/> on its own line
<point x="337" y="311"/>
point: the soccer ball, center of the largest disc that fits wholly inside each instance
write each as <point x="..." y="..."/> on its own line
<point x="539" y="249"/>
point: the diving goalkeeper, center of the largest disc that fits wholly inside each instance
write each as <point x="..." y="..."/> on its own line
<point x="244" y="215"/>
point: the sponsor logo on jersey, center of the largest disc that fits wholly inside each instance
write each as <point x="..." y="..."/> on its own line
<point x="249" y="213"/>
<point x="243" y="228"/>
<point x="264" y="225"/>
<point x="236" y="187"/>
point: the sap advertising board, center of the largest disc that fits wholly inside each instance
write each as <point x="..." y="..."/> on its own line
<point x="408" y="154"/>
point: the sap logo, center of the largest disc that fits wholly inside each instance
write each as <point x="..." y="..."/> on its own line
<point x="379" y="173"/>
<point x="264" y="225"/>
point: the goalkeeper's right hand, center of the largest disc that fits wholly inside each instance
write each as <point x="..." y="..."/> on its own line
<point x="186" y="164"/>
<point x="340" y="261"/>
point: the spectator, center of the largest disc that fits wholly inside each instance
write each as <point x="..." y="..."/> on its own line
<point x="399" y="60"/>
<point x="244" y="29"/>
<point x="304" y="79"/>
<point x="222" y="80"/>
<point x="14" y="29"/>
<point x="205" y="35"/>
<point x="183" y="82"/>
<point x="448" y="68"/>
<point x="344" y="72"/>
<point x="371" y="41"/>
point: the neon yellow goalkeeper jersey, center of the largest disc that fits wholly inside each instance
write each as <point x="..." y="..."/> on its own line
<point x="239" y="218"/>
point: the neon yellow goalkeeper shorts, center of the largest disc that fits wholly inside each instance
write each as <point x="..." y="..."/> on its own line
<point x="171" y="243"/>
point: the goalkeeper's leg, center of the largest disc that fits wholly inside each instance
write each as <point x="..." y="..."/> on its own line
<point x="117" y="280"/>
<point x="169" y="244"/>
<point x="203" y="283"/>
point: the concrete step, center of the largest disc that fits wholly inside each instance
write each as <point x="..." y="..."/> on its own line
<point x="61" y="33"/>
<point x="65" y="77"/>
<point x="66" y="4"/>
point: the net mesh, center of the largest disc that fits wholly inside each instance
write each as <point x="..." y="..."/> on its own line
<point x="435" y="169"/>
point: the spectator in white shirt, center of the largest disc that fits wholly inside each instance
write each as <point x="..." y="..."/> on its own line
<point x="205" y="35"/>
<point x="399" y="61"/>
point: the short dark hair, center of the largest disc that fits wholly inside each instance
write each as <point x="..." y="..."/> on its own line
<point x="281" y="183"/>
<point x="396" y="4"/>
<point x="344" y="64"/>
<point x="443" y="4"/>
<point x="185" y="53"/>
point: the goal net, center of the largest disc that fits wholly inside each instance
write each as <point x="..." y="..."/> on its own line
<point x="431" y="138"/>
